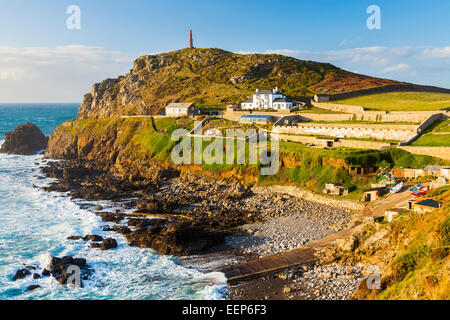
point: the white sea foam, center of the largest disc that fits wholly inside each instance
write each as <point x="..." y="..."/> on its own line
<point x="34" y="226"/>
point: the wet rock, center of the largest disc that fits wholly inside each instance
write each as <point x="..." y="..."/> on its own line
<point x="33" y="287"/>
<point x="63" y="268"/>
<point x="21" y="274"/>
<point x="36" y="276"/>
<point x="108" y="244"/>
<point x="74" y="238"/>
<point x="118" y="229"/>
<point x="112" y="216"/>
<point x="45" y="273"/>
<point x="27" y="139"/>
<point x="94" y="238"/>
<point x="178" y="238"/>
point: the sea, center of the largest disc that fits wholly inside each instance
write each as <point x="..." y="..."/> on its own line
<point x="34" y="226"/>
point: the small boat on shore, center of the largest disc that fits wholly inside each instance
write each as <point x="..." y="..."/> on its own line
<point x="420" y="193"/>
<point x="397" y="188"/>
<point x="415" y="188"/>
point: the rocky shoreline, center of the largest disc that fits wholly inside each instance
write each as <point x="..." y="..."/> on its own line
<point x="211" y="222"/>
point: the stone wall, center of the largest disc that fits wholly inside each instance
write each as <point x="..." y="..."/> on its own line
<point x="309" y="196"/>
<point x="439" y="152"/>
<point x="362" y="114"/>
<point x="369" y="145"/>
<point x="379" y="116"/>
<point x="339" y="107"/>
<point x="361" y="131"/>
<point x="427" y="123"/>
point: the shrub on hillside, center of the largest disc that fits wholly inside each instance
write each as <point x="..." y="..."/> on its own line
<point x="410" y="260"/>
<point x="444" y="231"/>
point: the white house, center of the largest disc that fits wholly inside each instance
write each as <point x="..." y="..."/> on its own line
<point x="181" y="109"/>
<point x="268" y="99"/>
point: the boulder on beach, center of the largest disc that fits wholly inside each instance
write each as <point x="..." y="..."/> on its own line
<point x="27" y="139"/>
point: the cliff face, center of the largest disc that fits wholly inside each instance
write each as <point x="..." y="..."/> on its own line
<point x="213" y="78"/>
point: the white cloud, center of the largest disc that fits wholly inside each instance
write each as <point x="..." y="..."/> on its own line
<point x="397" y="67"/>
<point x="436" y="53"/>
<point x="62" y="73"/>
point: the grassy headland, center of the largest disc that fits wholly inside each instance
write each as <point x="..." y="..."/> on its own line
<point x="146" y="140"/>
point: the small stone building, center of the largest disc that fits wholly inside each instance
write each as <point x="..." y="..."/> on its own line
<point x="361" y="170"/>
<point x="392" y="213"/>
<point x="371" y="195"/>
<point x="321" y="98"/>
<point x="335" y="190"/>
<point x="427" y="205"/>
<point x="182" y="109"/>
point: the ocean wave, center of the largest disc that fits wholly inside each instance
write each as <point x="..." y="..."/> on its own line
<point x="35" y="226"/>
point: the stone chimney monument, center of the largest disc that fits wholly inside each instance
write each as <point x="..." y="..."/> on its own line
<point x="191" y="41"/>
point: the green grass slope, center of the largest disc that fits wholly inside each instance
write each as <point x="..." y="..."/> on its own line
<point x="401" y="101"/>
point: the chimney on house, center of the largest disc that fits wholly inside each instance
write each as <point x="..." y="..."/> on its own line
<point x="191" y="41"/>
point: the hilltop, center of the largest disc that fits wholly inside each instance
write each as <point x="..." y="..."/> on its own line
<point x="214" y="78"/>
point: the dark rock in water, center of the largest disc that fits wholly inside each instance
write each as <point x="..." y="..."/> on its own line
<point x="178" y="238"/>
<point x="74" y="238"/>
<point x="45" y="273"/>
<point x="27" y="139"/>
<point x="111" y="216"/>
<point x="21" y="274"/>
<point x="62" y="280"/>
<point x="33" y="287"/>
<point x="94" y="238"/>
<point x="62" y="269"/>
<point x="36" y="276"/>
<point x="108" y="244"/>
<point x="31" y="267"/>
<point x="81" y="262"/>
<point x="118" y="229"/>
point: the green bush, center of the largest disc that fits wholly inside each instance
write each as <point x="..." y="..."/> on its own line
<point x="410" y="260"/>
<point x="444" y="231"/>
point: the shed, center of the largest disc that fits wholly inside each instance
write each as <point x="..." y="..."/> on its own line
<point x="445" y="172"/>
<point x="407" y="173"/>
<point x="426" y="205"/>
<point x="335" y="190"/>
<point x="371" y="195"/>
<point x="182" y="109"/>
<point x="321" y="98"/>
<point x="354" y="170"/>
<point x="392" y="213"/>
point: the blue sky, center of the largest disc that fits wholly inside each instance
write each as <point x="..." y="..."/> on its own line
<point x="42" y="60"/>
